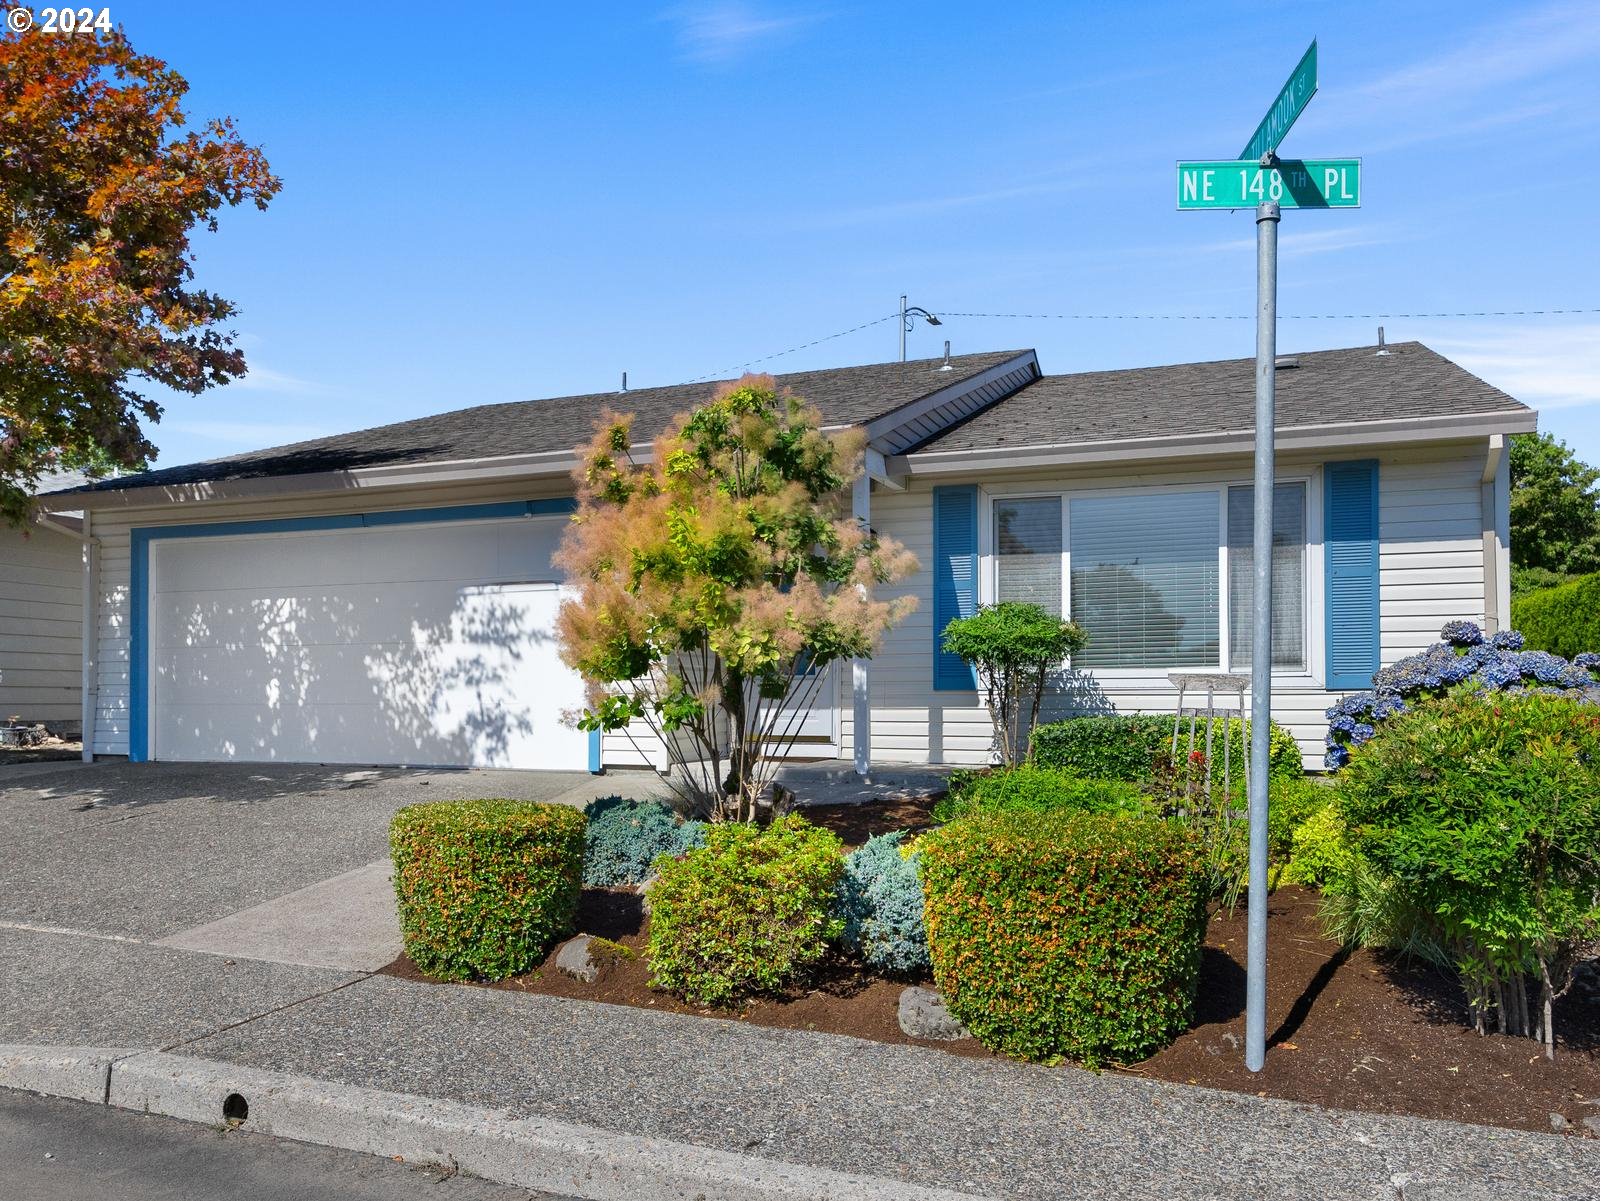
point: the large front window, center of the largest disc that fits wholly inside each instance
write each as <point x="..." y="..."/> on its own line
<point x="1143" y="573"/>
<point x="1289" y="591"/>
<point x="1144" y="579"/>
<point x="1028" y="551"/>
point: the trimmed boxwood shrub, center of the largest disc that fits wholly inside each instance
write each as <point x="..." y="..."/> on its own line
<point x="1039" y="789"/>
<point x="623" y="838"/>
<point x="1071" y="934"/>
<point x="485" y="887"/>
<point x="746" y="913"/>
<point x="1565" y="620"/>
<point x="881" y="904"/>
<point x="1126" y="745"/>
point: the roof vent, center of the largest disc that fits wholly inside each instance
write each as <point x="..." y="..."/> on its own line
<point x="624" y="388"/>
<point x="1286" y="362"/>
<point x="1383" y="349"/>
<point x="946" y="366"/>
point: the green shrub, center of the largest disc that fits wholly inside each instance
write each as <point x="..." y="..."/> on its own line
<point x="1290" y="804"/>
<point x="1039" y="789"/>
<point x="485" y="887"/>
<point x="1482" y="809"/>
<point x="622" y="839"/>
<point x="1069" y="934"/>
<point x="1125" y="746"/>
<point x="881" y="904"/>
<point x="1011" y="647"/>
<point x="746" y="913"/>
<point x="1565" y="620"/>
<point x="1320" y="852"/>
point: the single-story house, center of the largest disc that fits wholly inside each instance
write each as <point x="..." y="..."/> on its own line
<point x="387" y="596"/>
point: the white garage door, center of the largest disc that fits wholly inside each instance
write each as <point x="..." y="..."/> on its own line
<point x="406" y="644"/>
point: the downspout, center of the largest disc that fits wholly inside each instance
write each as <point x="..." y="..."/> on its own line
<point x="861" y="707"/>
<point x="90" y="687"/>
<point x="1490" y="509"/>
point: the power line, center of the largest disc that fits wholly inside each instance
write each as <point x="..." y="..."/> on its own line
<point x="778" y="354"/>
<point x="1282" y="316"/>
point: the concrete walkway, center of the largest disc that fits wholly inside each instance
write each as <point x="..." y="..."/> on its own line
<point x="364" y="1051"/>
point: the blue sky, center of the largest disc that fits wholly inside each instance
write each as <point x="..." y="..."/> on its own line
<point x="487" y="203"/>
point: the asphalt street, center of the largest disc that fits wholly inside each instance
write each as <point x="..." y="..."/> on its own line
<point x="54" y="1150"/>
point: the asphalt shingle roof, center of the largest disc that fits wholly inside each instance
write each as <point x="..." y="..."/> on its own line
<point x="844" y="395"/>
<point x="1325" y="387"/>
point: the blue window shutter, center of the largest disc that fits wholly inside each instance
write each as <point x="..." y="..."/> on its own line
<point x="1351" y="573"/>
<point x="955" y="577"/>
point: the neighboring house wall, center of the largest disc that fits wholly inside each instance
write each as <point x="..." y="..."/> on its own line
<point x="1431" y="570"/>
<point x="41" y="628"/>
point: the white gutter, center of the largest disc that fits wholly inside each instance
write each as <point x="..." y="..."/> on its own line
<point x="1367" y="434"/>
<point x="552" y="465"/>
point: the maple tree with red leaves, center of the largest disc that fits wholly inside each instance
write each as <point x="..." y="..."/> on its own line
<point x="101" y="182"/>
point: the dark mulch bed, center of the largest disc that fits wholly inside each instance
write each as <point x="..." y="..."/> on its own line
<point x="1351" y="1031"/>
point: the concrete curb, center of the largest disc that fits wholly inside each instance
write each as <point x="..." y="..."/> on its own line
<point x="532" y="1153"/>
<point x="77" y="1073"/>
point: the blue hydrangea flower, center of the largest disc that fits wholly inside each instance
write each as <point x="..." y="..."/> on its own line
<point x="1502" y="671"/>
<point x="1343" y="724"/>
<point x="1361" y="733"/>
<point x="1336" y="758"/>
<point x="1590" y="661"/>
<point x="1461" y="633"/>
<point x="1507" y="640"/>
<point x="1542" y="665"/>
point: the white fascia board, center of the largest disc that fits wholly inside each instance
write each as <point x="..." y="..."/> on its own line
<point x="913" y="409"/>
<point x="1334" y="438"/>
<point x="545" y="466"/>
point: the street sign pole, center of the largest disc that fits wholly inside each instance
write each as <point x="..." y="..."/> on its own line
<point x="1267" y="299"/>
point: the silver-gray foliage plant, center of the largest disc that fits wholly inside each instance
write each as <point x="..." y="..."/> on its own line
<point x="880" y="898"/>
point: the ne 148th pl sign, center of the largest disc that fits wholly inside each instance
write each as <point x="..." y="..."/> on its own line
<point x="1325" y="183"/>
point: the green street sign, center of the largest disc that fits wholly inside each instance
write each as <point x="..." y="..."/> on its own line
<point x="1287" y="106"/>
<point x="1325" y="183"/>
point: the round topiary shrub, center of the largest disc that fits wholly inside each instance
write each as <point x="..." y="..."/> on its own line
<point x="1066" y="934"/>
<point x="746" y="913"/>
<point x="1038" y="789"/>
<point x="484" y="888"/>
<point x="623" y="838"/>
<point x="881" y="904"/>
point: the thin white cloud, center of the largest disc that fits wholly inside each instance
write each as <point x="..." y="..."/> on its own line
<point x="1298" y="244"/>
<point x="264" y="379"/>
<point x="929" y="206"/>
<point x="716" y="34"/>
<point x="1506" y="66"/>
<point x="1547" y="366"/>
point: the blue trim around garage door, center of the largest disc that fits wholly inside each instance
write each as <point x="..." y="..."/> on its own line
<point x="140" y="538"/>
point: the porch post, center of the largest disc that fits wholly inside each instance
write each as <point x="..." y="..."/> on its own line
<point x="861" y="713"/>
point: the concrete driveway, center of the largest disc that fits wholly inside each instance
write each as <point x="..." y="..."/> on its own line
<point x="146" y="850"/>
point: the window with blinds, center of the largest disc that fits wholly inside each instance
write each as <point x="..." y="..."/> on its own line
<point x="1289" y="576"/>
<point x="1144" y="580"/>
<point x="1028" y="551"/>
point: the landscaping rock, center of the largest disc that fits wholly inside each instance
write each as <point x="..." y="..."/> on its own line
<point x="1593" y="1124"/>
<point x="573" y="957"/>
<point x="1559" y="1124"/>
<point x="642" y="888"/>
<point x="922" y="1014"/>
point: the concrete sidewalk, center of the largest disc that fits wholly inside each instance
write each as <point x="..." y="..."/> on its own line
<point x="359" y="1061"/>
